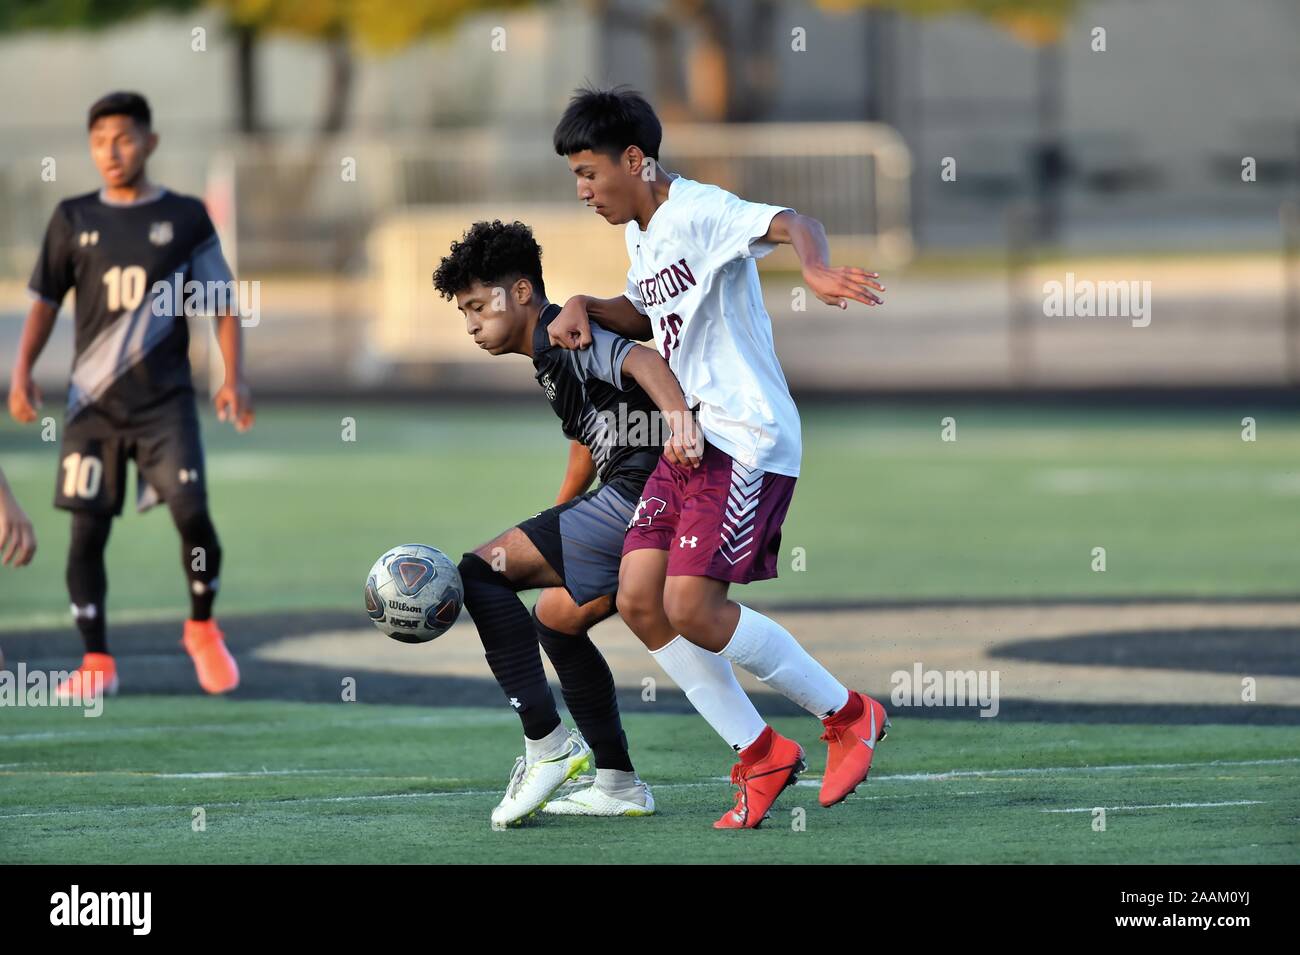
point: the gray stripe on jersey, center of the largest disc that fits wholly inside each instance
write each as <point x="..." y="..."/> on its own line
<point x="115" y="351"/>
<point x="209" y="264"/>
<point x="603" y="358"/>
<point x="596" y="436"/>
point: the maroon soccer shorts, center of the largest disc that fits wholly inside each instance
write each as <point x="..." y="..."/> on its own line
<point x="720" y="520"/>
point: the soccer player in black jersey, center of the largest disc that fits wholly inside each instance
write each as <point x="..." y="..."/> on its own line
<point x="133" y="251"/>
<point x="608" y="399"/>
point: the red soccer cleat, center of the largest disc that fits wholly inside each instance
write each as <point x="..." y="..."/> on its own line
<point x="213" y="664"/>
<point x="96" y="675"/>
<point x="851" y="734"/>
<point x="767" y="766"/>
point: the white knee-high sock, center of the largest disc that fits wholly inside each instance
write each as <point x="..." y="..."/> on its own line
<point x="766" y="649"/>
<point x="710" y="684"/>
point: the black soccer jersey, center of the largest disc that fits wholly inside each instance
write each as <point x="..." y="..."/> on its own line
<point x="131" y="264"/>
<point x="612" y="416"/>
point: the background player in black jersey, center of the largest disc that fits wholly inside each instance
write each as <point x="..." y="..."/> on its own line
<point x="573" y="549"/>
<point x="124" y="248"/>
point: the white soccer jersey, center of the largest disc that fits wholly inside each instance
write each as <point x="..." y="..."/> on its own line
<point x="693" y="273"/>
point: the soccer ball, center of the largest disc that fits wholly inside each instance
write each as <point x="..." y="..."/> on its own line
<point x="414" y="593"/>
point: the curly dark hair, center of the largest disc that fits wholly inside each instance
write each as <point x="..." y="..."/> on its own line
<point x="490" y="252"/>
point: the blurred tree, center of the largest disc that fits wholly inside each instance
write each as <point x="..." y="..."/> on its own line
<point x="380" y="26"/>
<point x="81" y="14"/>
<point x="728" y="51"/>
<point x="729" y="55"/>
<point x="1032" y="21"/>
<point x="341" y="26"/>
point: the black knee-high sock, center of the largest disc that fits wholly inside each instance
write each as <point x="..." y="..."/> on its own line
<point x="510" y="645"/>
<point x="588" y="688"/>
<point x="87" y="579"/>
<point x="200" y="553"/>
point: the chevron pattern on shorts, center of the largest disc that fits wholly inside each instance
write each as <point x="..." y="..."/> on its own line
<point x="742" y="508"/>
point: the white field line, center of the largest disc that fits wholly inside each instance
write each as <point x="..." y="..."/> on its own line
<point x="1162" y="805"/>
<point x="115" y="731"/>
<point x="237" y="774"/>
<point x="273" y="803"/>
<point x="237" y="729"/>
<point x="805" y="779"/>
<point x="713" y="781"/>
<point x="224" y="774"/>
<point x="1117" y="767"/>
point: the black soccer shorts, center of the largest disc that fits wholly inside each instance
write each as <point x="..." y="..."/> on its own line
<point x="167" y="451"/>
<point x="582" y="540"/>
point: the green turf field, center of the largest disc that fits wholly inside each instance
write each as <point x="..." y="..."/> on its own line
<point x="355" y="783"/>
<point x="883" y="507"/>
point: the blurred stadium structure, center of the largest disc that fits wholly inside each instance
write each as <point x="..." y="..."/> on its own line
<point x="1117" y="165"/>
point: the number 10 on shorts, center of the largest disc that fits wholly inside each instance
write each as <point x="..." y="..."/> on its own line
<point x="82" y="475"/>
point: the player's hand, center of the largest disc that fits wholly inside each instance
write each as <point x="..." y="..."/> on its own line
<point x="835" y="285"/>
<point x="24" y="399"/>
<point x="571" y="328"/>
<point x="17" y="536"/>
<point x="685" y="446"/>
<point x="234" y="403"/>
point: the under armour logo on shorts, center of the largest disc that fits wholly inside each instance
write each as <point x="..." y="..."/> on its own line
<point x="689" y="540"/>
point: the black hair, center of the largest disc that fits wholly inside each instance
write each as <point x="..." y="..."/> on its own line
<point x="608" y="121"/>
<point x="488" y="253"/>
<point x="121" y="104"/>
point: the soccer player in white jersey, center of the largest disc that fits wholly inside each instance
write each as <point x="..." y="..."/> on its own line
<point x="694" y="286"/>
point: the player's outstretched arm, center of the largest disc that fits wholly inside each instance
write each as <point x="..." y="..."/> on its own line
<point x="234" y="400"/>
<point x="17" y="536"/>
<point x="834" y="285"/>
<point x="572" y="327"/>
<point x="24" y="395"/>
<point x="685" y="445"/>
<point x="579" y="473"/>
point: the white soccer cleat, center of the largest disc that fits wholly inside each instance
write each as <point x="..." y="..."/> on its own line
<point x="593" y="801"/>
<point x="532" y="784"/>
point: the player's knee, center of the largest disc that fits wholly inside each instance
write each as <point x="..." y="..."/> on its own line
<point x="689" y="615"/>
<point x="639" y="607"/>
<point x="557" y="611"/>
<point x="479" y="579"/>
<point x="194" y="522"/>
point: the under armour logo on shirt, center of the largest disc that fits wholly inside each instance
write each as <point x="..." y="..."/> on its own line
<point x="689" y="540"/>
<point x="514" y="701"/>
